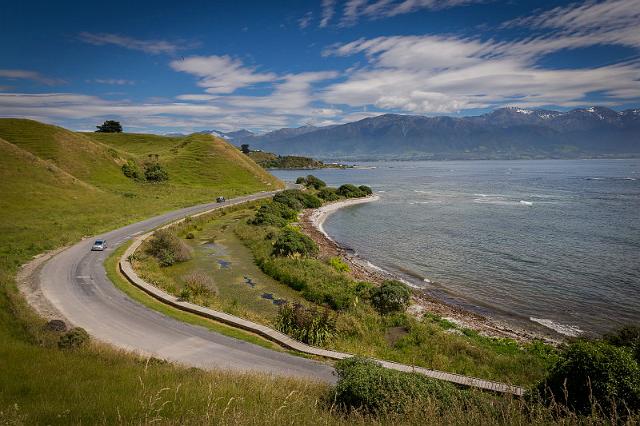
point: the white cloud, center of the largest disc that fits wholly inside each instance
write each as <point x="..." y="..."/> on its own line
<point x="29" y="75"/>
<point x="584" y="16"/>
<point x="220" y="74"/>
<point x="610" y="22"/>
<point x="434" y="74"/>
<point x="327" y="12"/>
<point x="113" y="81"/>
<point x="292" y="96"/>
<point x="305" y="20"/>
<point x="154" y="47"/>
<point x="356" y="9"/>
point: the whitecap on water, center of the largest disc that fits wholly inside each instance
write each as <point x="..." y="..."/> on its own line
<point x="565" y="329"/>
<point x="526" y="203"/>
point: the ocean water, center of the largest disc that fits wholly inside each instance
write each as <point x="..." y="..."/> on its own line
<point x="545" y="244"/>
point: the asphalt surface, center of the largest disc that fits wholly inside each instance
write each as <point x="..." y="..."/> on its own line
<point x="76" y="283"/>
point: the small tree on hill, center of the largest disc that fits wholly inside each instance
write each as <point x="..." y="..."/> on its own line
<point x="109" y="126"/>
<point x="245" y="148"/>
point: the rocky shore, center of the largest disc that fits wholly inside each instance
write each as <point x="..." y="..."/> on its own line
<point x="311" y="222"/>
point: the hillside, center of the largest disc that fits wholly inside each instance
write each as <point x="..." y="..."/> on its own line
<point x="269" y="160"/>
<point x="49" y="175"/>
<point x="58" y="186"/>
<point x="506" y="133"/>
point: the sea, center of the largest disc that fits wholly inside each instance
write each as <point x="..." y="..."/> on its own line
<point x="547" y="245"/>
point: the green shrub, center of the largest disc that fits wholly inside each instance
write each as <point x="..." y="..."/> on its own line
<point x="297" y="200"/>
<point x="154" y="172"/>
<point x="391" y="296"/>
<point x="366" y="386"/>
<point x="308" y="325"/>
<point x="366" y="190"/>
<point x="199" y="284"/>
<point x="328" y="194"/>
<point x="74" y="338"/>
<point x="168" y="248"/>
<point x="274" y="214"/>
<point x="295" y="244"/>
<point x="593" y="372"/>
<point x="627" y="336"/>
<point x="131" y="170"/>
<point x="185" y="294"/>
<point x="190" y="236"/>
<point x="338" y="264"/>
<point x="313" y="182"/>
<point x="350" y="191"/>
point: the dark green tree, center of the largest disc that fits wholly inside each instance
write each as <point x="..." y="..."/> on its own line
<point x="295" y="244"/>
<point x="245" y="148"/>
<point x="391" y="296"/>
<point x="109" y="126"/>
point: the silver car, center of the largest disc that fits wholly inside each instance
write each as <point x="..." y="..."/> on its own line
<point x="99" y="245"/>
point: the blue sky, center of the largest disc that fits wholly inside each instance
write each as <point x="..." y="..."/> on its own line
<point x="168" y="66"/>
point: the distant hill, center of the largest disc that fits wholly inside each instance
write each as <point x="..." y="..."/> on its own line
<point x="506" y="133"/>
<point x="230" y="136"/>
<point x="269" y="160"/>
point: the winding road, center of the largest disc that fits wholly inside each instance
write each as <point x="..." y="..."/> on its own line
<point x="75" y="282"/>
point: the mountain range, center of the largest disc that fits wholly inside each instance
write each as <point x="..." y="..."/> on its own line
<point x="505" y="133"/>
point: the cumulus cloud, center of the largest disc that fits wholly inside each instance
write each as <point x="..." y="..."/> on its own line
<point x="29" y="75"/>
<point x="221" y="74"/>
<point x="154" y="47"/>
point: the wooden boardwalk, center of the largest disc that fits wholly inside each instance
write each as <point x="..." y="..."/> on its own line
<point x="284" y="340"/>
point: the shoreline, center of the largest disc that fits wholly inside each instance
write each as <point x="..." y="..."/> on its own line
<point x="312" y="221"/>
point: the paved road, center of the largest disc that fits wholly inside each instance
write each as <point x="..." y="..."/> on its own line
<point x="75" y="281"/>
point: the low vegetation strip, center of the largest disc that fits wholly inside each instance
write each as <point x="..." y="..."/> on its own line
<point x="282" y="339"/>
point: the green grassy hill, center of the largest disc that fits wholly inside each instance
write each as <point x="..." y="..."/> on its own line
<point x="57" y="186"/>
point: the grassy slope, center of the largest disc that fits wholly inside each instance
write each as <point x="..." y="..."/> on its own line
<point x="57" y="186"/>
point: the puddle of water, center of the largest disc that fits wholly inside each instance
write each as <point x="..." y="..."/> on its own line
<point x="277" y="302"/>
<point x="249" y="281"/>
<point x="215" y="249"/>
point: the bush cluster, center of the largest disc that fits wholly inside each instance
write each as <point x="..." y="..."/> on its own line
<point x="154" y="172"/>
<point x="309" y="325"/>
<point x="198" y="288"/>
<point x="311" y="182"/>
<point x="328" y="194"/>
<point x="131" y="170"/>
<point x="168" y="248"/>
<point x="351" y="191"/>
<point x="594" y="374"/>
<point x="297" y="200"/>
<point x="74" y="338"/>
<point x="294" y="244"/>
<point x="366" y="386"/>
<point x="274" y="214"/>
<point x="626" y="337"/>
<point x="392" y="296"/>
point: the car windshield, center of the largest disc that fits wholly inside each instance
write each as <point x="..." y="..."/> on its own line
<point x="98" y="242"/>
